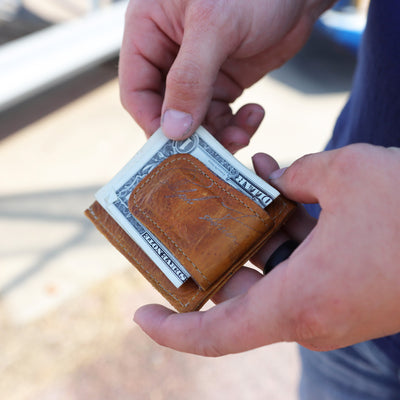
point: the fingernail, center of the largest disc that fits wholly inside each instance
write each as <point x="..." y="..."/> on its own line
<point x="139" y="317"/>
<point x="254" y="157"/>
<point x="234" y="147"/>
<point x="254" y="119"/>
<point x="277" y="173"/>
<point x="176" y="124"/>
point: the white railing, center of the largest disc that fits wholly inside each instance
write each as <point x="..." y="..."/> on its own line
<point x="42" y="59"/>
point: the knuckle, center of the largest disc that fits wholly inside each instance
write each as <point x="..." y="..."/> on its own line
<point x="296" y="173"/>
<point x="344" y="167"/>
<point x="209" y="349"/>
<point x="188" y="74"/>
<point x="205" y="10"/>
<point x="208" y="344"/>
<point x="213" y="15"/>
<point x="342" y="160"/>
<point x="187" y="81"/>
<point x="319" y="324"/>
<point x="349" y="159"/>
<point x="309" y="325"/>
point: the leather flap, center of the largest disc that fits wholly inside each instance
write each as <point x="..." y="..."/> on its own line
<point x="205" y="223"/>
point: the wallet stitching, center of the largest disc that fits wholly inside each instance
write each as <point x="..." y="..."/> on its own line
<point x="157" y="282"/>
<point x="150" y="177"/>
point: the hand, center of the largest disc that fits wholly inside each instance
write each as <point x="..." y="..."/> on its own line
<point x="187" y="60"/>
<point x="339" y="287"/>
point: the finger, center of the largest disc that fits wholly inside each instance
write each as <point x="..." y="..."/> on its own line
<point x="145" y="54"/>
<point x="300" y="224"/>
<point x="262" y="256"/>
<point x="305" y="180"/>
<point x="239" y="324"/>
<point x="266" y="313"/>
<point x="249" y="118"/>
<point x="239" y="284"/>
<point x="297" y="227"/>
<point x="233" y="131"/>
<point x="189" y="85"/>
<point x="237" y="133"/>
<point x="264" y="165"/>
<point x="226" y="88"/>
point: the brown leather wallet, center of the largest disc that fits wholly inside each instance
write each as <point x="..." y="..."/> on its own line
<point x="211" y="228"/>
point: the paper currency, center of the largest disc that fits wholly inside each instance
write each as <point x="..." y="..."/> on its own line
<point x="114" y="195"/>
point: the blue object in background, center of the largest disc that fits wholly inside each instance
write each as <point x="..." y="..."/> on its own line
<point x="344" y="24"/>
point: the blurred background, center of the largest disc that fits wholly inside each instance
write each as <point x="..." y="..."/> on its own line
<point x="67" y="297"/>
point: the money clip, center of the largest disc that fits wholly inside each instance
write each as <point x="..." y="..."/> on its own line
<point x="210" y="227"/>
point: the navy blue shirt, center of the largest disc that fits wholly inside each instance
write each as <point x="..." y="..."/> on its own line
<point x="372" y="113"/>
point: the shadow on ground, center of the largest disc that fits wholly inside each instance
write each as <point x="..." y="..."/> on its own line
<point x="46" y="207"/>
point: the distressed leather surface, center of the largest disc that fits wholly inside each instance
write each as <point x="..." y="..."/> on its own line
<point x="206" y="225"/>
<point x="211" y="228"/>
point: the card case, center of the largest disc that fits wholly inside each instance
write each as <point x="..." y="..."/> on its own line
<point x="210" y="227"/>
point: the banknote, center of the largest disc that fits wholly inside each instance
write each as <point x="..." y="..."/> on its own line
<point x="114" y="196"/>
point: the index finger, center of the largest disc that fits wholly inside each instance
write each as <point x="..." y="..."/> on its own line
<point x="146" y="56"/>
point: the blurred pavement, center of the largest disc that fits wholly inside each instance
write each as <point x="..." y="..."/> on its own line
<point x="67" y="297"/>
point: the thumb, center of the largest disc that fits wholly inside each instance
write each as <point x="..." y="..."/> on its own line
<point x="190" y="81"/>
<point x="249" y="320"/>
<point x="305" y="180"/>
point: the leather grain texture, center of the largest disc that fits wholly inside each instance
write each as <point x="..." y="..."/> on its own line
<point x="206" y="225"/>
<point x="210" y="227"/>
